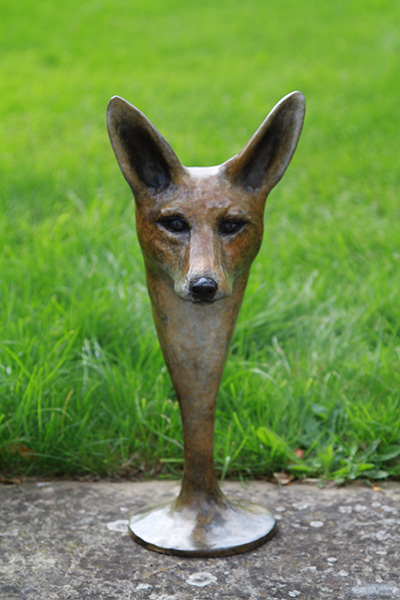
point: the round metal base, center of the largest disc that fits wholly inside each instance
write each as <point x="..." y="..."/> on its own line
<point x="206" y="530"/>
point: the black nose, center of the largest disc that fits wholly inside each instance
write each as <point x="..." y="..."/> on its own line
<point x="203" y="289"/>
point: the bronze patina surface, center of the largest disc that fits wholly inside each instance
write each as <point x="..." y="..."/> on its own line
<point x="200" y="229"/>
<point x="205" y="529"/>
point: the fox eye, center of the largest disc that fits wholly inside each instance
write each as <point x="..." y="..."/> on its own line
<point x="231" y="227"/>
<point x="174" y="224"/>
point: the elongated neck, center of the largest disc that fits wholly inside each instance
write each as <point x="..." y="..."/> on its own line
<point x="195" y="342"/>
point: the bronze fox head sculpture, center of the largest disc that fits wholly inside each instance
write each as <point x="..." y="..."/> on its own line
<point x="199" y="229"/>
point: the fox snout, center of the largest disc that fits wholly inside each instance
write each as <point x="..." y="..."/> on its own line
<point x="202" y="287"/>
<point x="202" y="290"/>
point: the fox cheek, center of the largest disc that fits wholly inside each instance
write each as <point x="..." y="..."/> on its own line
<point x="239" y="257"/>
<point x="169" y="260"/>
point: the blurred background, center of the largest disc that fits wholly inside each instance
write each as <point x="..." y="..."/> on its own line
<point x="311" y="388"/>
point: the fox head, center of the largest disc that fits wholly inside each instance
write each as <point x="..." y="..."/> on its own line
<point x="201" y="228"/>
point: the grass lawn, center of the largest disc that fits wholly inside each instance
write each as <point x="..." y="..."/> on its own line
<point x="312" y="384"/>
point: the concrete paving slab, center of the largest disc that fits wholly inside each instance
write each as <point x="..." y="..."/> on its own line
<point x="68" y="541"/>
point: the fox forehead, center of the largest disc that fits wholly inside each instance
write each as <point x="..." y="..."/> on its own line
<point x="204" y="195"/>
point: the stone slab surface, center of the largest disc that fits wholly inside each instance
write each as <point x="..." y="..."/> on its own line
<point x="69" y="541"/>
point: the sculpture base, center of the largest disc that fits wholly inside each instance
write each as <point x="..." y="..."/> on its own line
<point x="206" y="528"/>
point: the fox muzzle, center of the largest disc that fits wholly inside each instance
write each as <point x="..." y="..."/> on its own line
<point x="203" y="290"/>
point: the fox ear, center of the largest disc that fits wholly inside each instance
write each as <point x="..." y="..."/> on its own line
<point x="264" y="159"/>
<point x="145" y="158"/>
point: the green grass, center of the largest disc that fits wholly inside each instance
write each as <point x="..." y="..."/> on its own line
<point x="315" y="360"/>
